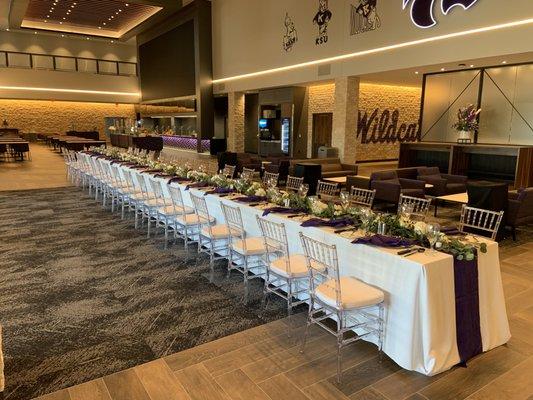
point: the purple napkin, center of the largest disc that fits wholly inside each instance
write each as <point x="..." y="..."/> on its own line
<point x="334" y="223"/>
<point x="251" y="199"/>
<point x="451" y="231"/>
<point x="178" y="179"/>
<point x="220" y="190"/>
<point x="384" y="241"/>
<point x="282" y="210"/>
<point x="197" y="185"/>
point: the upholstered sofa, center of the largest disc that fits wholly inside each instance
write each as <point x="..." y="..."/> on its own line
<point x="443" y="184"/>
<point x="331" y="167"/>
<point x="520" y="209"/>
<point x="389" y="185"/>
<point x="240" y="160"/>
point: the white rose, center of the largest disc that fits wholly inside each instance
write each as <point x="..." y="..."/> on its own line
<point x="420" y="228"/>
<point x="260" y="192"/>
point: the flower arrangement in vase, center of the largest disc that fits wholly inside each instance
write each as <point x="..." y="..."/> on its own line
<point x="467" y="122"/>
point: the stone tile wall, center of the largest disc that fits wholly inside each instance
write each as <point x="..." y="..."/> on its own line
<point x="57" y="117"/>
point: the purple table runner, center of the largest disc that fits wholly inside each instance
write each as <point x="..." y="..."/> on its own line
<point x="467" y="317"/>
<point x="384" y="241"/>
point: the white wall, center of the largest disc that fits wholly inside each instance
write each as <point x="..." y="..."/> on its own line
<point x="67" y="46"/>
<point x="248" y="37"/>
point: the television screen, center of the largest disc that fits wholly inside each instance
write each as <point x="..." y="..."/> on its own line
<point x="166" y="64"/>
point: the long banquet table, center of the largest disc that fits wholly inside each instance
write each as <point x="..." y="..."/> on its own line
<point x="420" y="327"/>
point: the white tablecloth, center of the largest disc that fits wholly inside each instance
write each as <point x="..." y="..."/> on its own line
<point x="420" y="330"/>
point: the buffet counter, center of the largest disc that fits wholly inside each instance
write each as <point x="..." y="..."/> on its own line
<point x="150" y="143"/>
<point x="186" y="143"/>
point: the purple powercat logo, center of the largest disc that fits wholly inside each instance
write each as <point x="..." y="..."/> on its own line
<point x="422" y="10"/>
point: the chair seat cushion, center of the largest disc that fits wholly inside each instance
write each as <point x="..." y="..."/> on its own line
<point x="217" y="232"/>
<point x="171" y="210"/>
<point x="192" y="219"/>
<point x="251" y="246"/>
<point x="297" y="265"/>
<point x="354" y="293"/>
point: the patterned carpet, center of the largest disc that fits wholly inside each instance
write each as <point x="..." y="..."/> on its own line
<point x="83" y="294"/>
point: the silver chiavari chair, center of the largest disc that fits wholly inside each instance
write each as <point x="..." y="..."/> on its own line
<point x="246" y="254"/>
<point x="327" y="189"/>
<point x="247" y="173"/>
<point x="150" y="202"/>
<point x="294" y="183"/>
<point x="134" y="198"/>
<point x="186" y="225"/>
<point x="286" y="274"/>
<point x="270" y="177"/>
<point x="229" y="171"/>
<point x="345" y="299"/>
<point x="169" y="210"/>
<point x="362" y="197"/>
<point x="415" y="206"/>
<point x="480" y="219"/>
<point x="213" y="238"/>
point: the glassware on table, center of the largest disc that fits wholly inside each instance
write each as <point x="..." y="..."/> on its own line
<point x="303" y="190"/>
<point x="365" y="215"/>
<point x="345" y="199"/>
<point x="432" y="234"/>
<point x="406" y="210"/>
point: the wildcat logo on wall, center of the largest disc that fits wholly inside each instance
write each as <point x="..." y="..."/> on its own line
<point x="322" y="18"/>
<point x="422" y="10"/>
<point x="386" y="128"/>
<point x="364" y="17"/>
<point x="291" y="35"/>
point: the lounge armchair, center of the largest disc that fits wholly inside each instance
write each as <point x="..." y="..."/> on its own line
<point x="443" y="184"/>
<point x="520" y="209"/>
<point x="389" y="187"/>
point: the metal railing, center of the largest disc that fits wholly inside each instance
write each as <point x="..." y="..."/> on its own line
<point x="15" y="59"/>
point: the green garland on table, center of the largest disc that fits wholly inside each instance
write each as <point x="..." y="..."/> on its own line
<point x="398" y="226"/>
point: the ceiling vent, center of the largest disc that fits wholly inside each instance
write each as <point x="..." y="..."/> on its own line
<point x="324" y="69"/>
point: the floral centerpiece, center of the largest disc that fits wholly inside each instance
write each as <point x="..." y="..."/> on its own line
<point x="198" y="176"/>
<point x="467" y="122"/>
<point x="256" y="189"/>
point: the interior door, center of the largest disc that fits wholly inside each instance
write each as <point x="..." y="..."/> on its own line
<point x="322" y="128"/>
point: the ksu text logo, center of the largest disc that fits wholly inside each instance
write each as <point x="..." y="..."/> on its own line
<point x="322" y="18"/>
<point x="422" y="11"/>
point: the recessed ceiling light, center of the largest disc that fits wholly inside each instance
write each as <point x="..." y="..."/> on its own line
<point x="88" y="38"/>
<point x="112" y="41"/>
<point x="103" y="23"/>
<point x="35" y="33"/>
<point x="99" y="27"/>
<point x="64" y="18"/>
<point x="7" y="29"/>
<point x="471" y="65"/>
<point x="127" y="5"/>
<point x="60" y="22"/>
<point x="119" y="10"/>
<point x="504" y="62"/>
<point x="416" y="72"/>
<point x="62" y="35"/>
<point x="45" y="21"/>
<point x="443" y="69"/>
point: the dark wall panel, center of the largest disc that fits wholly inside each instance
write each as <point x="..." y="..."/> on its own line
<point x="167" y="67"/>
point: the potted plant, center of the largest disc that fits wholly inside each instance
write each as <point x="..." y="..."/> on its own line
<point x="467" y="123"/>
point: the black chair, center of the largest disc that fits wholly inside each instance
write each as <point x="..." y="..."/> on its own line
<point x="493" y="196"/>
<point x="19" y="149"/>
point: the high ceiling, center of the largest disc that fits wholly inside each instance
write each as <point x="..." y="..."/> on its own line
<point x="116" y="19"/>
<point x="110" y="18"/>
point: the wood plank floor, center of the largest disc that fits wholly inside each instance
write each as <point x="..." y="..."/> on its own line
<point x="263" y="363"/>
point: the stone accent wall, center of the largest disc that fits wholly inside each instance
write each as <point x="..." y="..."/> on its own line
<point x="235" y="139"/>
<point x="345" y="118"/>
<point x="58" y="117"/>
<point x="405" y="99"/>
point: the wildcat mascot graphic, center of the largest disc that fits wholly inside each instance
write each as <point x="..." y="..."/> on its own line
<point x="322" y="18"/>
<point x="291" y="35"/>
<point x="422" y="10"/>
<point x="364" y="17"/>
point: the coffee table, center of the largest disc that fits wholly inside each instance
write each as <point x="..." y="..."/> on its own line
<point x="458" y="198"/>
